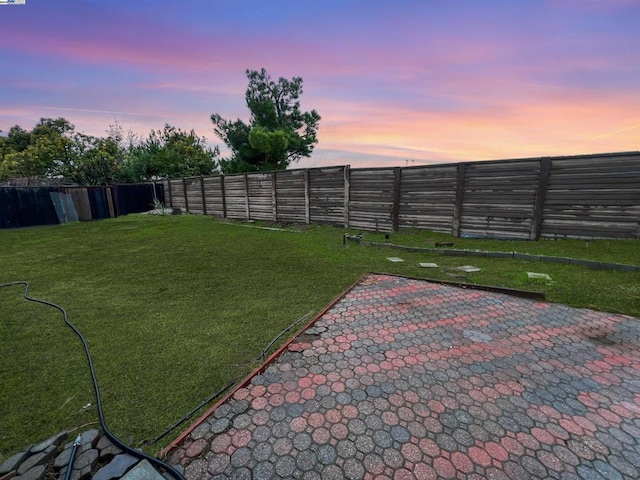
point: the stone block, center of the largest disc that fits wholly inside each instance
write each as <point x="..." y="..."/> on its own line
<point x="116" y="468"/>
<point x="13" y="462"/>
<point x="90" y="437"/>
<point x="62" y="460"/>
<point x="469" y="269"/>
<point x="31" y="462"/>
<point x="476" y="253"/>
<point x="526" y="256"/>
<point x="395" y="259"/>
<point x="586" y="263"/>
<point x="551" y="259"/>
<point x="56" y="440"/>
<point x="35" y="473"/>
<point x="86" y="459"/>
<point x="539" y="276"/>
<point x="143" y="471"/>
<point x="500" y="254"/>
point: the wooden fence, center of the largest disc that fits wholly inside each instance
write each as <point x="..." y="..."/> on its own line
<point x="588" y="196"/>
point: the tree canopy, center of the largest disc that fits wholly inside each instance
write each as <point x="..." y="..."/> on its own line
<point x="278" y="132"/>
<point x="53" y="150"/>
<point x="170" y="153"/>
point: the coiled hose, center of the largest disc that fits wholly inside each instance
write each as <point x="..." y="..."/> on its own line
<point x="96" y="389"/>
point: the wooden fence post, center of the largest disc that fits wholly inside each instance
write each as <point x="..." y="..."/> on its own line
<point x="457" y="207"/>
<point x="274" y="197"/>
<point x="307" y="200"/>
<point x="397" y="173"/>
<point x="347" y="192"/>
<point x="186" y="200"/>
<point x="223" y="197"/>
<point x="204" y="199"/>
<point x="541" y="195"/>
<point x="246" y="196"/>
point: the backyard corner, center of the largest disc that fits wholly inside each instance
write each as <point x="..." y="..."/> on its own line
<point x="222" y="290"/>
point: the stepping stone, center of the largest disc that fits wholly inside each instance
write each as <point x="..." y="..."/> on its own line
<point x="116" y="468"/>
<point x="35" y="473"/>
<point x="541" y="276"/>
<point x="13" y="462"/>
<point x="428" y="265"/>
<point x="395" y="259"/>
<point x="143" y="471"/>
<point x="55" y="440"/>
<point x="90" y="437"/>
<point x="469" y="269"/>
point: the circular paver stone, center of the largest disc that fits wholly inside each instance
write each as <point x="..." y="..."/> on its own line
<point x="353" y="469"/>
<point x="220" y="425"/>
<point x="285" y="466"/>
<point x="327" y="454"/>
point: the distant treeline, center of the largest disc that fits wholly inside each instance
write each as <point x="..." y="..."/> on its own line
<point x="53" y="150"/>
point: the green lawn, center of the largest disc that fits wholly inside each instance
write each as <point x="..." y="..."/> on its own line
<point x="173" y="308"/>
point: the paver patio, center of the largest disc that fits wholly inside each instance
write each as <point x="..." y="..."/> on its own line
<point x="408" y="379"/>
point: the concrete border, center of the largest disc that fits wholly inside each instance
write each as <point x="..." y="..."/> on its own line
<point x="513" y="255"/>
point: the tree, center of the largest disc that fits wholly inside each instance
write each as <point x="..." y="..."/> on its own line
<point x="170" y="153"/>
<point x="278" y="133"/>
<point x="97" y="161"/>
<point x="43" y="152"/>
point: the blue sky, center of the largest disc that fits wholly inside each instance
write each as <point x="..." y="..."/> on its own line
<point x="431" y="81"/>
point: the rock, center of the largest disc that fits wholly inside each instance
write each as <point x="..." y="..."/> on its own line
<point x="31" y="462"/>
<point x="90" y="437"/>
<point x="35" y="473"/>
<point x="56" y="440"/>
<point x="108" y="449"/>
<point x="143" y="471"/>
<point x="541" y="276"/>
<point x="86" y="459"/>
<point x="13" y="462"/>
<point x="469" y="269"/>
<point x="82" y="474"/>
<point x="116" y="468"/>
<point x="62" y="460"/>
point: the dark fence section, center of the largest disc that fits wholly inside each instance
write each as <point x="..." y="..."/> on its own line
<point x="29" y="206"/>
<point x="136" y="198"/>
<point x="587" y="196"/>
<point x="25" y="207"/>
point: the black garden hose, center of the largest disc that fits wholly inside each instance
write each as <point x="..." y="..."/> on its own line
<point x="154" y="461"/>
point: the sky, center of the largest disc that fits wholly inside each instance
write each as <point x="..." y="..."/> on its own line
<point x="402" y="82"/>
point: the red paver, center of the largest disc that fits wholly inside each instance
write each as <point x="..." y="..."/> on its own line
<point x="412" y="379"/>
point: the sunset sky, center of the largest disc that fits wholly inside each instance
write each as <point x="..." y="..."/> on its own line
<point x="425" y="80"/>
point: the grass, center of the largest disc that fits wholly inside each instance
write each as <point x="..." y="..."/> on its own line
<point x="173" y="308"/>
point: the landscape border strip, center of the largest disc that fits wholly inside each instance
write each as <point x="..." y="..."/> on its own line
<point x="530" y="294"/>
<point x="258" y="370"/>
<point x="515" y="255"/>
